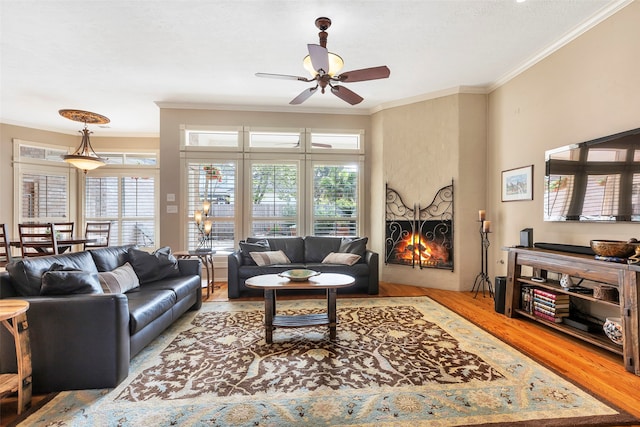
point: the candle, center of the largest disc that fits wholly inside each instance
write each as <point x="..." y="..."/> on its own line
<point x="198" y="217"/>
<point x="482" y="215"/>
<point x="486" y="226"/>
<point x="207" y="227"/>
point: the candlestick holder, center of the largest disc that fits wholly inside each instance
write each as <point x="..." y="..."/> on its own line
<point x="482" y="279"/>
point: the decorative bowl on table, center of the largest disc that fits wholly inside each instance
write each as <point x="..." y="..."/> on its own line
<point x="298" y="275"/>
<point x="613" y="248"/>
<point x="613" y="329"/>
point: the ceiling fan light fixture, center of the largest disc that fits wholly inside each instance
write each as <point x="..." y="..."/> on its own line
<point x="335" y="65"/>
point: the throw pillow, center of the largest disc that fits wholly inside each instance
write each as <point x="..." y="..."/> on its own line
<point x="60" y="280"/>
<point x="356" y="246"/>
<point x="157" y="265"/>
<point x="341" y="258"/>
<point x="120" y="280"/>
<point x="269" y="258"/>
<point x="246" y="248"/>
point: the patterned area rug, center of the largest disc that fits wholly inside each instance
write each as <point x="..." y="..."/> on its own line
<point x="395" y="362"/>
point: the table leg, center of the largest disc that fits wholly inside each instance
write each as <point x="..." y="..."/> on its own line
<point x="205" y="259"/>
<point x="331" y="310"/>
<point x="269" y="312"/>
<point x="19" y="328"/>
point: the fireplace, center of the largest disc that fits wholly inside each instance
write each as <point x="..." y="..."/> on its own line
<point x="420" y="237"/>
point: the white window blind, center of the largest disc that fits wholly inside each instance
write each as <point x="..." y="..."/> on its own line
<point x="274" y="199"/>
<point x="128" y="202"/>
<point x="44" y="197"/>
<point x="335" y="200"/>
<point x="211" y="188"/>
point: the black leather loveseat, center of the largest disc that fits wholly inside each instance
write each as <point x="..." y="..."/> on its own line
<point x="83" y="338"/>
<point x="303" y="252"/>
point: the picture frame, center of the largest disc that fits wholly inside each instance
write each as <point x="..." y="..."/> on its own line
<point x="517" y="184"/>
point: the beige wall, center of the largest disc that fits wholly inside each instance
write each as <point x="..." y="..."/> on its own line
<point x="425" y="146"/>
<point x="588" y="89"/>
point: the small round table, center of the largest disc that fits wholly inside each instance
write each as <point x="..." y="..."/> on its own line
<point x="206" y="256"/>
<point x="13" y="314"/>
<point x="273" y="282"/>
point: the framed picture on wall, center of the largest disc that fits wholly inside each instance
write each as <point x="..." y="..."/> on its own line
<point x="517" y="184"/>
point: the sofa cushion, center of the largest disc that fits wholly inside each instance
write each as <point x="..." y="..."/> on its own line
<point x="247" y="247"/>
<point x="61" y="280"/>
<point x="157" y="265"/>
<point x="147" y="305"/>
<point x="293" y="247"/>
<point x="354" y="245"/>
<point x="317" y="248"/>
<point x="112" y="257"/>
<point x="182" y="287"/>
<point x="270" y="258"/>
<point x="26" y="274"/>
<point x="341" y="258"/>
<point x="122" y="279"/>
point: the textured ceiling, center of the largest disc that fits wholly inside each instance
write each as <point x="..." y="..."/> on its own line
<point x="123" y="58"/>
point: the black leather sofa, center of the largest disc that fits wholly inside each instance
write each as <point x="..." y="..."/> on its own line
<point x="85" y="341"/>
<point x="304" y="252"/>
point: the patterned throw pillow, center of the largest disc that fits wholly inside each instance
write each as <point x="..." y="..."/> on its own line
<point x="341" y="258"/>
<point x="269" y="258"/>
<point x="120" y="280"/>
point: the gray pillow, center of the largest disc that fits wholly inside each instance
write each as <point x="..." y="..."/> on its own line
<point x="59" y="280"/>
<point x="119" y="281"/>
<point x="157" y="265"/>
<point x="354" y="245"/>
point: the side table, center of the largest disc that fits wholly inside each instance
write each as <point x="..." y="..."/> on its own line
<point x="13" y="314"/>
<point x="206" y="257"/>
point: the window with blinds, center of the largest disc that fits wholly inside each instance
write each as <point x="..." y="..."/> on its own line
<point x="128" y="202"/>
<point x="44" y="197"/>
<point x="211" y="192"/>
<point x="335" y="199"/>
<point x="274" y="199"/>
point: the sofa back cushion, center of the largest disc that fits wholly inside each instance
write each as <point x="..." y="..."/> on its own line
<point x="317" y="248"/>
<point x="293" y="247"/>
<point x="26" y="274"/>
<point x="110" y="258"/>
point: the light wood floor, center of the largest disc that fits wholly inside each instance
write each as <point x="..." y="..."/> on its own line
<point x="598" y="371"/>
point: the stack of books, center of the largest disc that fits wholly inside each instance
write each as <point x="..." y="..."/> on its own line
<point x="550" y="306"/>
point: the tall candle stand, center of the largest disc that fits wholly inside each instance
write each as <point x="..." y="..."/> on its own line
<point x="482" y="278"/>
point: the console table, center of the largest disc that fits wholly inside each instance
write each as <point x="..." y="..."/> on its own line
<point x="622" y="276"/>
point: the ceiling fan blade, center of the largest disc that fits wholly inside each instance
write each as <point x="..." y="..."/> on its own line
<point x="283" y="76"/>
<point x="365" y="74"/>
<point x="319" y="57"/>
<point x="303" y="96"/>
<point x="346" y="95"/>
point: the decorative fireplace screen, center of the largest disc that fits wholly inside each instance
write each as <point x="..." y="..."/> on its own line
<point x="421" y="237"/>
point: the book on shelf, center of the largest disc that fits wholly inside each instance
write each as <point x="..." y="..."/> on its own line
<point x="548" y="317"/>
<point x="526" y="299"/>
<point x="561" y="312"/>
<point x="551" y="304"/>
<point x="553" y="296"/>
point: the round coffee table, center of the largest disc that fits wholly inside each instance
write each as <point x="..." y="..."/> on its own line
<point x="273" y="282"/>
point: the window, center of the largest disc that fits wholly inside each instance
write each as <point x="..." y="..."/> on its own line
<point x="128" y="202"/>
<point x="274" y="199"/>
<point x="335" y="199"/>
<point x="288" y="182"/>
<point x="211" y="192"/>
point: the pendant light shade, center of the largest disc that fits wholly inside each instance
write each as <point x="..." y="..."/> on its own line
<point x="84" y="157"/>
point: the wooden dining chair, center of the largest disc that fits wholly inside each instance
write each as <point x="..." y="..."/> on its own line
<point x="100" y="231"/>
<point x="64" y="230"/>
<point x="5" y="250"/>
<point x="38" y="239"/>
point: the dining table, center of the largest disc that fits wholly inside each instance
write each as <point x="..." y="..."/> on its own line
<point x="64" y="244"/>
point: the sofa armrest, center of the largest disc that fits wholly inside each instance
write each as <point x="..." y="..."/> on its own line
<point x="373" y="261"/>
<point x="190" y="267"/>
<point x="234" y="261"/>
<point x="77" y="342"/>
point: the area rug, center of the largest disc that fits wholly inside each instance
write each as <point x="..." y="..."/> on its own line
<point x="395" y="362"/>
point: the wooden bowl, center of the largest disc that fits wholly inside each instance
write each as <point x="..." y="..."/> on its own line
<point x="613" y="248"/>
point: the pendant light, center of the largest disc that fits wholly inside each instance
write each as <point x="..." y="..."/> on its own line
<point x="84" y="157"/>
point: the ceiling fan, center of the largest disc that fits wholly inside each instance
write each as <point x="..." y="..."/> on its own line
<point x="324" y="66"/>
